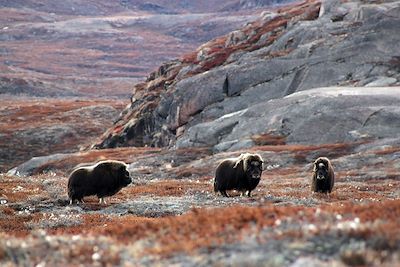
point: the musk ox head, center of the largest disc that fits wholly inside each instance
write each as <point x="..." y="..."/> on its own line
<point x="252" y="164"/>
<point x="124" y="176"/>
<point x="321" y="168"/>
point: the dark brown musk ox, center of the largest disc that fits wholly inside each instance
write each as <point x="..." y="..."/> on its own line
<point x="103" y="179"/>
<point x="323" y="176"/>
<point x="242" y="173"/>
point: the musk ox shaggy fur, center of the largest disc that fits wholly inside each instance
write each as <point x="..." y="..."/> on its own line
<point x="323" y="176"/>
<point x="104" y="178"/>
<point x="242" y="173"/>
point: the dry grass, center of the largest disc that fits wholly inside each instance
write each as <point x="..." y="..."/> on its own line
<point x="16" y="225"/>
<point x="203" y="228"/>
<point x="268" y="139"/>
<point x="188" y="232"/>
<point x="209" y="228"/>
<point x="168" y="188"/>
<point x="17" y="189"/>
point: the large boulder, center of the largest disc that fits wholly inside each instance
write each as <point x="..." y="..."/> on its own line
<point x="321" y="115"/>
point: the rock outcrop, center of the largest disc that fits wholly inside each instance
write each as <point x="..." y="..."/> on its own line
<point x="249" y="83"/>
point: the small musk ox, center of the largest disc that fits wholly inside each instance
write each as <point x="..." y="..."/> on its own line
<point x="242" y="173"/>
<point x="323" y="176"/>
<point x="102" y="179"/>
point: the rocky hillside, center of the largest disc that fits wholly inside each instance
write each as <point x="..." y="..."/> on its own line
<point x="97" y="48"/>
<point x="255" y="82"/>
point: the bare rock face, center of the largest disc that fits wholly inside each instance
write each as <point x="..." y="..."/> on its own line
<point x="321" y="115"/>
<point x="249" y="82"/>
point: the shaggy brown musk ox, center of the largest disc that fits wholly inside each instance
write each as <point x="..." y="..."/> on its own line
<point x="105" y="178"/>
<point x="242" y="173"/>
<point x="323" y="176"/>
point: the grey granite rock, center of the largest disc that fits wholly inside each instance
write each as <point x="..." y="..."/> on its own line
<point x="321" y="115"/>
<point x="31" y="166"/>
<point x="347" y="44"/>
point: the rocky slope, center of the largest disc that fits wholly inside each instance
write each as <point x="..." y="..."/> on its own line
<point x="101" y="48"/>
<point x="246" y="84"/>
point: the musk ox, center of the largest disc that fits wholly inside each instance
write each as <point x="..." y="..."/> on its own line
<point x="323" y="176"/>
<point x="105" y="178"/>
<point x="242" y="173"/>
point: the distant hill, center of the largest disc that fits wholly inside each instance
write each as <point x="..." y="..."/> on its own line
<point x="103" y="7"/>
<point x="100" y="48"/>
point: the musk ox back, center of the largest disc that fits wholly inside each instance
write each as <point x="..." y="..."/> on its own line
<point x="323" y="176"/>
<point x="102" y="179"/>
<point x="242" y="173"/>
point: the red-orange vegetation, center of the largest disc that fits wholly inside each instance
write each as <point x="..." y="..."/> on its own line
<point x="282" y="171"/>
<point x="90" y="221"/>
<point x="210" y="227"/>
<point x="7" y="210"/>
<point x="199" y="228"/>
<point x="370" y="211"/>
<point x="346" y="192"/>
<point x="189" y="58"/>
<point x="20" y="117"/>
<point x="386" y="151"/>
<point x="275" y="27"/>
<point x="190" y="151"/>
<point x="384" y="214"/>
<point x="280" y="53"/>
<point x="17" y="224"/>
<point x="218" y="57"/>
<point x="217" y="51"/>
<point x="31" y="112"/>
<point x="15" y="189"/>
<point x="287" y="186"/>
<point x="189" y="171"/>
<point x="268" y="139"/>
<point x="168" y="188"/>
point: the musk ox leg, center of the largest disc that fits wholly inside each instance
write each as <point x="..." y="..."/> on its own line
<point x="78" y="200"/>
<point x="249" y="193"/>
<point x="223" y="192"/>
<point x="244" y="193"/>
<point x="102" y="200"/>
